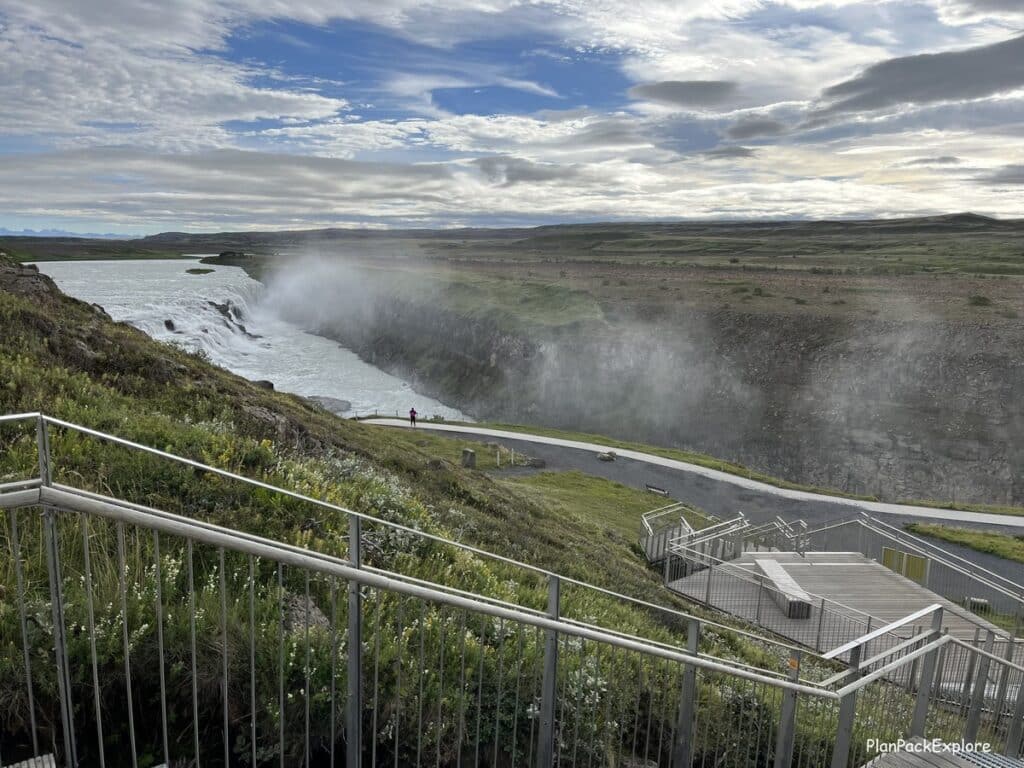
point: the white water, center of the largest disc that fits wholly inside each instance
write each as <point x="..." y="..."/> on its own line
<point x="255" y="342"/>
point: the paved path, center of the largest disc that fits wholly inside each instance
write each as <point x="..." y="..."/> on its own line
<point x="717" y="492"/>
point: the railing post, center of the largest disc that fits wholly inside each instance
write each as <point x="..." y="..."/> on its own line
<point x="1004" y="675"/>
<point x="821" y="622"/>
<point x="1013" y="732"/>
<point x="924" y="686"/>
<point x="978" y="694"/>
<point x="787" y="717"/>
<point x="546" y="735"/>
<point x="682" y="750"/>
<point x="60" y="649"/>
<point x="847" y="713"/>
<point x="354" y="704"/>
<point x="707" y="592"/>
<point x="760" y="591"/>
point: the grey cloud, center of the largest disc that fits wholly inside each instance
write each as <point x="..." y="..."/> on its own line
<point x="729" y="153"/>
<point x="685" y="93"/>
<point x="929" y="78"/>
<point x="944" y="160"/>
<point x="507" y="171"/>
<point x="752" y="127"/>
<point x="1011" y="174"/>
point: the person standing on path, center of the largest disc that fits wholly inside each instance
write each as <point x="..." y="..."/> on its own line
<point x="412" y="416"/>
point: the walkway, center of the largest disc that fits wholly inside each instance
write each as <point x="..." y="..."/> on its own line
<point x="745" y="486"/>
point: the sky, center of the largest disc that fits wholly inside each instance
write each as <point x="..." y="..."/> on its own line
<point x="142" y="116"/>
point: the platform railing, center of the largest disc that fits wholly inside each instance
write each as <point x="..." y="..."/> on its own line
<point x="142" y="637"/>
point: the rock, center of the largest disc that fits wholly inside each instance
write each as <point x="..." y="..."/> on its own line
<point x="169" y="325"/>
<point x="606" y="456"/>
<point x="295" y="613"/>
<point x="536" y="463"/>
<point x="335" y="405"/>
<point x="264" y="384"/>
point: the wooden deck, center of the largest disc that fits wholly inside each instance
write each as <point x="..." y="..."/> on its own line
<point x="852" y="585"/>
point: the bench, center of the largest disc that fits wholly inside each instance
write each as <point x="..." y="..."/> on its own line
<point x="794" y="602"/>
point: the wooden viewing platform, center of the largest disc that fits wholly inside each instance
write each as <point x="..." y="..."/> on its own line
<point x="853" y="586"/>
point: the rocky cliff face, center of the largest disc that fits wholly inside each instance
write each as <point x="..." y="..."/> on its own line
<point x="899" y="409"/>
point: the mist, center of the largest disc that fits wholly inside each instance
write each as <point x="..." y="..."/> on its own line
<point x="893" y="403"/>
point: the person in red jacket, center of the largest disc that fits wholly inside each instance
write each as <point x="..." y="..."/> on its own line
<point x="412" y="416"/>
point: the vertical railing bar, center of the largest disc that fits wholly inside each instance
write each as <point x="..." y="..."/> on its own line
<point x="192" y="642"/>
<point x="597" y="698"/>
<point x="847" y="712"/>
<point x="440" y="686"/>
<point x="515" y="703"/>
<point x="56" y="599"/>
<point x="376" y="676"/>
<point x="422" y="674"/>
<point x="682" y="752"/>
<point x="534" y="695"/>
<point x="920" y="717"/>
<point x="224" y="653"/>
<point x="661" y="709"/>
<point x="91" y="618"/>
<point x="462" y="689"/>
<point x="787" y="717"/>
<point x="306" y="692"/>
<point x="581" y="665"/>
<point x="124" y="637"/>
<point x="334" y="666"/>
<point x="636" y="706"/>
<point x="354" y="720"/>
<point x="978" y="694"/>
<point x="26" y="653"/>
<point x="252" y="660"/>
<point x="400" y="638"/>
<point x="561" y="701"/>
<point x="501" y="681"/>
<point x="280" y="663"/>
<point x="545" y="746"/>
<point x="1013" y="733"/>
<point x="158" y="569"/>
<point x="480" y="687"/>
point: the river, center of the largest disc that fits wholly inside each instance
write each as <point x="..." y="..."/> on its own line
<point x="223" y="315"/>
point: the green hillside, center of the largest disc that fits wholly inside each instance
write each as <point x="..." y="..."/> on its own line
<point x="69" y="360"/>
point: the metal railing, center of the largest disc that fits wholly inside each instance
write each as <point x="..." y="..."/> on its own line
<point x="981" y="592"/>
<point x="138" y="637"/>
<point x="660" y="526"/>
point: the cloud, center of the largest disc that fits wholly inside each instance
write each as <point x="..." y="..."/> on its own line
<point x="685" y="93"/>
<point x="944" y="160"/>
<point x="729" y="153"/>
<point x="515" y="170"/>
<point x="950" y="76"/>
<point x="1011" y="174"/>
<point x="754" y="127"/>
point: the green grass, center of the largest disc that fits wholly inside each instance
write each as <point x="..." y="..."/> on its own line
<point x="999" y="544"/>
<point x="699" y="459"/>
<point x="62" y="356"/>
<point x="609" y="508"/>
<point x="703" y="460"/>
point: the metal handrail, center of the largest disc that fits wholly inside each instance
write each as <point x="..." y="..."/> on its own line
<point x="884" y="630"/>
<point x="57" y="498"/>
<point x="973" y="568"/>
<point x="216" y="536"/>
<point x="38" y="416"/>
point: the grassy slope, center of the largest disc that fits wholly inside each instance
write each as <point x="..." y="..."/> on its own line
<point x="66" y="358"/>
<point x="999" y="544"/>
<point x="613" y="509"/>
